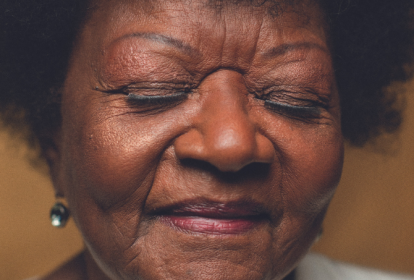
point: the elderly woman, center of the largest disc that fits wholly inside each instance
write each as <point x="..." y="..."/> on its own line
<point x="200" y="139"/>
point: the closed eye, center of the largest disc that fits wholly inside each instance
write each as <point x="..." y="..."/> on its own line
<point x="157" y="100"/>
<point x="303" y="104"/>
<point x="295" y="111"/>
<point x="153" y="97"/>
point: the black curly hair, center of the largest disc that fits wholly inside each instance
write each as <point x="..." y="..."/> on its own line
<point x="372" y="45"/>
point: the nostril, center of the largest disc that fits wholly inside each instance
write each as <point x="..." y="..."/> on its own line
<point x="226" y="149"/>
<point x="199" y="165"/>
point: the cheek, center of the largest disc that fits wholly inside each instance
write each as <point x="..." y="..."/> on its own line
<point x="110" y="169"/>
<point x="311" y="163"/>
<point x="114" y="152"/>
<point x="313" y="170"/>
<point x="309" y="156"/>
<point x="114" y="162"/>
<point x="109" y="165"/>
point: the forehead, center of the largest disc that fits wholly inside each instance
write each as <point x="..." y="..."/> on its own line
<point x="236" y="27"/>
<point x="193" y="12"/>
<point x="274" y="7"/>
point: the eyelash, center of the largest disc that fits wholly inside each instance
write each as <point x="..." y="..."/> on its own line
<point x="301" y="112"/>
<point x="172" y="96"/>
<point x="310" y="109"/>
<point x="157" y="100"/>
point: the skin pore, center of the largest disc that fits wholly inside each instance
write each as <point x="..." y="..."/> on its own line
<point x="197" y="143"/>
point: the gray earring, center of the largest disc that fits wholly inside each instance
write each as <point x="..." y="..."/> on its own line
<point x="59" y="215"/>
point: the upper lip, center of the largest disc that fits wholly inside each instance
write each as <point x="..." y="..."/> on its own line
<point x="240" y="209"/>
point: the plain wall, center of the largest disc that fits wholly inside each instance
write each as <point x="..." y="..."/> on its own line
<point x="370" y="220"/>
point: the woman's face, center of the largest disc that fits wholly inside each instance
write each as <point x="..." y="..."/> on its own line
<point x="198" y="142"/>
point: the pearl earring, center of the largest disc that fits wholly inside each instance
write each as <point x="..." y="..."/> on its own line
<point x="59" y="215"/>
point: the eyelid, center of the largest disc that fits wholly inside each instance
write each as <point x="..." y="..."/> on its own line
<point x="299" y="103"/>
<point x="156" y="99"/>
<point x="152" y="97"/>
<point x="295" y="111"/>
<point x="149" y="89"/>
<point x="155" y="87"/>
<point x="299" y="91"/>
<point x="297" y="94"/>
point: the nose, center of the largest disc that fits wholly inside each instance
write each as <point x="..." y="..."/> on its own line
<point x="223" y="134"/>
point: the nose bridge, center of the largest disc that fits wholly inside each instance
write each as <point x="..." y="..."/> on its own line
<point x="223" y="133"/>
<point x="225" y="124"/>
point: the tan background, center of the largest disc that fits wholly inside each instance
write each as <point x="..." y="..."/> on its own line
<point x="370" y="221"/>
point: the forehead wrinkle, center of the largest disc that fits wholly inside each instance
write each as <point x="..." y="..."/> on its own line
<point x="235" y="22"/>
<point x="256" y="42"/>
<point x="275" y="8"/>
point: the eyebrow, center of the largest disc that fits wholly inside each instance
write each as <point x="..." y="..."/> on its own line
<point x="163" y="39"/>
<point x="285" y="48"/>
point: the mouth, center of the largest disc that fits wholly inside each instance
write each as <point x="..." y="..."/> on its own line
<point x="214" y="218"/>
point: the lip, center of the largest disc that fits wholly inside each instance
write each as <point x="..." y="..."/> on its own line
<point x="215" y="218"/>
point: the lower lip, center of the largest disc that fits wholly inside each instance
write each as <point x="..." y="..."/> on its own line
<point x="210" y="225"/>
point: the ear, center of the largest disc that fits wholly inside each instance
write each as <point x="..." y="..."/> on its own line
<point x="52" y="151"/>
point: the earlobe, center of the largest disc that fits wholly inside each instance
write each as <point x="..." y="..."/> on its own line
<point x="52" y="154"/>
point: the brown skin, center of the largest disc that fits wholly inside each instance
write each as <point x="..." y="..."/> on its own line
<point x="117" y="161"/>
